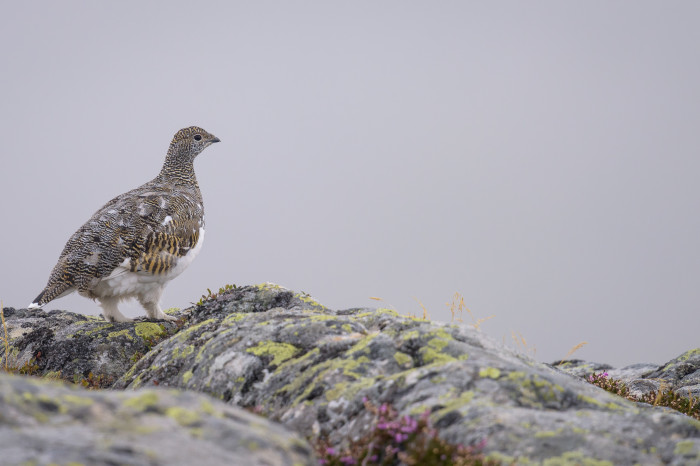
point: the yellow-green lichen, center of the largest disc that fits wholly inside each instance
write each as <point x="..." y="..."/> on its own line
<point x="431" y="356"/>
<point x="684" y="447"/>
<point x="349" y="390"/>
<point x="403" y="359"/>
<point x="575" y="458"/>
<point x="300" y="360"/>
<point x="182" y="416"/>
<point x="77" y="400"/>
<point x="548" y="433"/>
<point x="142" y="401"/>
<point x="268" y="286"/>
<point x="311" y="377"/>
<point x="185" y="334"/>
<point x="600" y="404"/>
<point x="52" y="375"/>
<point x="208" y="408"/>
<point x="516" y="376"/>
<point x="418" y="410"/>
<point x="689" y="354"/>
<point x="456" y="403"/>
<point x="187" y="376"/>
<point x="182" y="352"/>
<point x="376" y="312"/>
<point x="307" y="299"/>
<point x="126" y="333"/>
<point x="150" y="330"/>
<point x="489" y="372"/>
<point x="280" y="352"/>
<point x="92" y="331"/>
<point x="314" y="317"/>
<point x="432" y="352"/>
<point x="233" y="318"/>
<point x="362" y="344"/>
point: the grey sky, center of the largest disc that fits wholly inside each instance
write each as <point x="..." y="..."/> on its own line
<point x="541" y="158"/>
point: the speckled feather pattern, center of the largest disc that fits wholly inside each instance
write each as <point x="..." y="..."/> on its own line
<point x="148" y="233"/>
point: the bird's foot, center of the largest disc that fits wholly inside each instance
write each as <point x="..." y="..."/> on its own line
<point x="119" y="318"/>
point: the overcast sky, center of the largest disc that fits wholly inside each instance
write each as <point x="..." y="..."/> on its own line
<point x="540" y="158"/>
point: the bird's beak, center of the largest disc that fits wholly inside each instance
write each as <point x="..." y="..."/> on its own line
<point x="215" y="140"/>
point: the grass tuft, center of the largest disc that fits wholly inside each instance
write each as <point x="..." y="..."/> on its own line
<point x="572" y="351"/>
<point x="457" y="308"/>
<point x="688" y="405"/>
<point x="212" y="296"/>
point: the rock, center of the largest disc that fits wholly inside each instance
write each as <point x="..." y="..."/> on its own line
<point x="309" y="368"/>
<point x="43" y="422"/>
<point x="80" y="348"/>
<point x="580" y="368"/>
<point x="681" y="375"/>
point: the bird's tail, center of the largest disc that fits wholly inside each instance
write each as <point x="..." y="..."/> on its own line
<point x="51" y="292"/>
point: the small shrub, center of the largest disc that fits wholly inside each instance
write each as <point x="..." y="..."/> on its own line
<point x="688" y="405"/>
<point x="211" y="296"/>
<point x="92" y="381"/>
<point x="397" y="440"/>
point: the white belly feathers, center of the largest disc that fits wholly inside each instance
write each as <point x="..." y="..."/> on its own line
<point x="124" y="283"/>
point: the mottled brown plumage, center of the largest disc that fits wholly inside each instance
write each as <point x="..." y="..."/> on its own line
<point x="140" y="240"/>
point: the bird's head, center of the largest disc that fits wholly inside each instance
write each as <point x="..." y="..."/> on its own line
<point x="189" y="142"/>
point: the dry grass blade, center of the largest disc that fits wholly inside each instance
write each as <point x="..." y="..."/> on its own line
<point x="426" y="316"/>
<point x="572" y="351"/>
<point x="478" y="322"/>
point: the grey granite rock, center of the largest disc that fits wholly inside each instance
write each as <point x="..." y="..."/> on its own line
<point x="73" y="346"/>
<point x="309" y="368"/>
<point x="44" y="422"/>
<point x="681" y="374"/>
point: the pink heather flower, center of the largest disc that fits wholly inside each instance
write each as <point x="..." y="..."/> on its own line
<point x="330" y="451"/>
<point x="383" y="408"/>
<point x="400" y="438"/>
<point x="348" y="460"/>
<point x="410" y="424"/>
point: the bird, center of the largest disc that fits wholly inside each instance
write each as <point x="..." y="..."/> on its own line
<point x="140" y="240"/>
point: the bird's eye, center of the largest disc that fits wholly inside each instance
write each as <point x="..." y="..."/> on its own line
<point x="197" y="137"/>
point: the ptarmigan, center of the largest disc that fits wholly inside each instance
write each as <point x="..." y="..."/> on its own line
<point x="139" y="241"/>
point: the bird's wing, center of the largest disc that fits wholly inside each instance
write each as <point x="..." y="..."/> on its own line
<point x="170" y="229"/>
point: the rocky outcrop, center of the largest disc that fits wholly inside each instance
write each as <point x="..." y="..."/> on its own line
<point x="309" y="368"/>
<point x="43" y="422"/>
<point x="681" y="374"/>
<point x="79" y="348"/>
